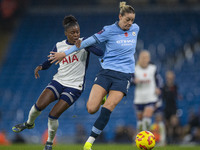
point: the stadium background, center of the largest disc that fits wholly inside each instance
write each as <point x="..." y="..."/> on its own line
<point x="169" y="29"/>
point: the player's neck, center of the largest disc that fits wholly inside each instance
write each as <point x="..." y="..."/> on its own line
<point x="120" y="26"/>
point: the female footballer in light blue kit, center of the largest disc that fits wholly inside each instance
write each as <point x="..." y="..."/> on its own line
<point x="117" y="66"/>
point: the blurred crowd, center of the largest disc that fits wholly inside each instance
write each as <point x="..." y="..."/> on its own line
<point x="10" y="11"/>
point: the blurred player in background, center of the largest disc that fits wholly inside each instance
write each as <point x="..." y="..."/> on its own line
<point x="67" y="84"/>
<point x="170" y="96"/>
<point x="117" y="67"/>
<point x="147" y="90"/>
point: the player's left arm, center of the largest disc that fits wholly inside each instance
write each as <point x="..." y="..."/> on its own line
<point x="159" y="83"/>
<point x="95" y="50"/>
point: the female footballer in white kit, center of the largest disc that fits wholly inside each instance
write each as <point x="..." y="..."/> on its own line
<point x="67" y="84"/>
<point x="147" y="90"/>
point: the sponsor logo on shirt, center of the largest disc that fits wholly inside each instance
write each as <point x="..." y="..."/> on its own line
<point x="145" y="81"/>
<point x="125" y="42"/>
<point x="70" y="59"/>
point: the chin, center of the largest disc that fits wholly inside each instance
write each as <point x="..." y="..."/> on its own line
<point x="126" y="29"/>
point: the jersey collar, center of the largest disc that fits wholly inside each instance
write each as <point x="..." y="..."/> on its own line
<point x="117" y="24"/>
<point x="68" y="42"/>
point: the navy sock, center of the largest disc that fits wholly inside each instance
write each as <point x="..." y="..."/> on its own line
<point x="101" y="122"/>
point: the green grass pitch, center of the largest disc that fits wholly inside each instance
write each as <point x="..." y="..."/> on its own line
<point x="95" y="147"/>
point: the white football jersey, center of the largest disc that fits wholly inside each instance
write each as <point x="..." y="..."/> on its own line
<point x="145" y="90"/>
<point x="72" y="68"/>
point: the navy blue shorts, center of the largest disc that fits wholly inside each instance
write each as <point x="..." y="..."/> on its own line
<point x="113" y="80"/>
<point x="70" y="95"/>
<point x="141" y="107"/>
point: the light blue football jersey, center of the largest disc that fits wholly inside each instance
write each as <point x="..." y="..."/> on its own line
<point x="120" y="47"/>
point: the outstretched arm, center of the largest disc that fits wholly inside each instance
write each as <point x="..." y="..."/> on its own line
<point x="95" y="50"/>
<point x="43" y="66"/>
<point x="58" y="56"/>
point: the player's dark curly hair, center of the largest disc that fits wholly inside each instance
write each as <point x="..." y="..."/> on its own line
<point x="69" y="21"/>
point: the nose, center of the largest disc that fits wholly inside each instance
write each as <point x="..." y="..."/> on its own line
<point x="75" y="34"/>
<point x="130" y="22"/>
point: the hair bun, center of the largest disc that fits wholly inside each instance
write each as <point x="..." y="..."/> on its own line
<point x="122" y="4"/>
<point x="69" y="19"/>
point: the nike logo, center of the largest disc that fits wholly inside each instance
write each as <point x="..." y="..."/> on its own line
<point x="71" y="93"/>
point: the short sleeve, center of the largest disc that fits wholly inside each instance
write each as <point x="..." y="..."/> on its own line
<point x="102" y="35"/>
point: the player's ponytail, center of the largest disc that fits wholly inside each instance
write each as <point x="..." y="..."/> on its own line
<point x="69" y="21"/>
<point x="125" y="8"/>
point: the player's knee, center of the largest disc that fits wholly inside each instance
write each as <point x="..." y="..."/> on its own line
<point x="91" y="109"/>
<point x="147" y="115"/>
<point x="39" y="107"/>
<point x="54" y="115"/>
<point x="139" y="117"/>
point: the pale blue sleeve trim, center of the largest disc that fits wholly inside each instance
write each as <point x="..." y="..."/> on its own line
<point x="87" y="42"/>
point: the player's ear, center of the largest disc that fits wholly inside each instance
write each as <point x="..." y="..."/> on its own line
<point x="65" y="33"/>
<point x="120" y="16"/>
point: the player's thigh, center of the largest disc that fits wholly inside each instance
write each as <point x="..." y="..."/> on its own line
<point x="67" y="98"/>
<point x="148" y="111"/>
<point x="139" y="108"/>
<point x="59" y="108"/>
<point x="96" y="95"/>
<point x="45" y="98"/>
<point x="113" y="99"/>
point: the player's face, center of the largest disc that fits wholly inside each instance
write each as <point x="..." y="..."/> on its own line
<point x="144" y="59"/>
<point x="73" y="34"/>
<point x="126" y="21"/>
<point x="170" y="77"/>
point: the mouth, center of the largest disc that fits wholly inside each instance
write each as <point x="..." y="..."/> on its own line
<point x="75" y="39"/>
<point x="128" y="26"/>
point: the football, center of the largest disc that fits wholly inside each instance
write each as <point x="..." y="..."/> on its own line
<point x="145" y="140"/>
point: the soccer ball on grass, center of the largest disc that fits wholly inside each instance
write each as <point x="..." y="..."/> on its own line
<point x="145" y="140"/>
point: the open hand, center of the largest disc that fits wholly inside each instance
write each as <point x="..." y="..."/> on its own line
<point x="158" y="91"/>
<point x="56" y="57"/>
<point x="136" y="81"/>
<point x="37" y="69"/>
